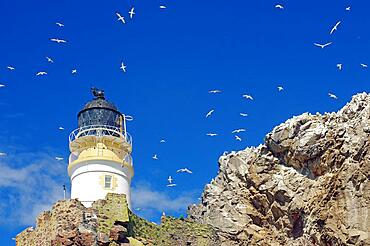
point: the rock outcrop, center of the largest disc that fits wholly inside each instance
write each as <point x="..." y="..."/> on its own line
<point x="109" y="222"/>
<point x="308" y="184"/>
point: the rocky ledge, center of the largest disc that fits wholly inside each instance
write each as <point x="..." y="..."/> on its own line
<point x="109" y="222"/>
<point x="308" y="184"/>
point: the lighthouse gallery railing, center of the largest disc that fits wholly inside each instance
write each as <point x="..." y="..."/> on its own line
<point x="100" y="131"/>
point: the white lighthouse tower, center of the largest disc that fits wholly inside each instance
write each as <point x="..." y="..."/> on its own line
<point x="100" y="161"/>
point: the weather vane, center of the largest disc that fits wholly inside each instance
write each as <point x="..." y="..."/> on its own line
<point x="97" y="93"/>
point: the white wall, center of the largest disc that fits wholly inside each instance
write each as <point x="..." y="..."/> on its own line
<point x="86" y="181"/>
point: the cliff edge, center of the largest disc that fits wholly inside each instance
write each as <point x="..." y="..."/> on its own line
<point x="308" y="184"/>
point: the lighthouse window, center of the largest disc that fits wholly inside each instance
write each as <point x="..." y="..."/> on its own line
<point x="108" y="182"/>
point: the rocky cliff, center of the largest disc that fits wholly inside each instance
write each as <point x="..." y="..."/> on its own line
<point x="109" y="222"/>
<point x="308" y="184"/>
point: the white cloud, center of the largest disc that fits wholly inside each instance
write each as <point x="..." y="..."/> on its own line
<point x="152" y="203"/>
<point x="29" y="184"/>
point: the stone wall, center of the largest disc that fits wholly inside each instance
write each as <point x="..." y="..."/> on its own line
<point x="109" y="222"/>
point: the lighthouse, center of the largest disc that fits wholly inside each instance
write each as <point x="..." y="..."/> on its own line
<point x="100" y="161"/>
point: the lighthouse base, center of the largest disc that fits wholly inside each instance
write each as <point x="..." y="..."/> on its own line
<point x="94" y="179"/>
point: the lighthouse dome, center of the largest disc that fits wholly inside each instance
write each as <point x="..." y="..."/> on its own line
<point x="99" y="111"/>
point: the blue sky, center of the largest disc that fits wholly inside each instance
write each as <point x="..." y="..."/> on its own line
<point x="174" y="56"/>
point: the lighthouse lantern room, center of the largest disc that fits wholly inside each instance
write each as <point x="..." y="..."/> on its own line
<point x="100" y="161"/>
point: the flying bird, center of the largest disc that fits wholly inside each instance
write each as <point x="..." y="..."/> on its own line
<point x="210" y="113"/>
<point x="363" y="65"/>
<point x="120" y="18"/>
<point x="243" y="114"/>
<point x="331" y="95"/>
<point x="247" y="97"/>
<point x="212" y="134"/>
<point x="57" y="40"/>
<point x="170" y="179"/>
<point x="238" y="138"/>
<point x="123" y="67"/>
<point x="10" y="68"/>
<point x="74" y="71"/>
<point x="2" y="154"/>
<point x="171" y="185"/>
<point x="340" y="66"/>
<point x="335" y="27"/>
<point x="59" y="24"/>
<point x="155" y="157"/>
<point x="279" y="6"/>
<point x="322" y="46"/>
<point x="61" y="128"/>
<point x="184" y="170"/>
<point x="49" y="59"/>
<point x="41" y="73"/>
<point x="162" y="141"/>
<point x="59" y="158"/>
<point x="238" y="130"/>
<point x="132" y="12"/>
<point x="280" y="88"/>
<point x="162" y="6"/>
<point x="348" y="8"/>
<point x="214" y="91"/>
<point x="1" y="85"/>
